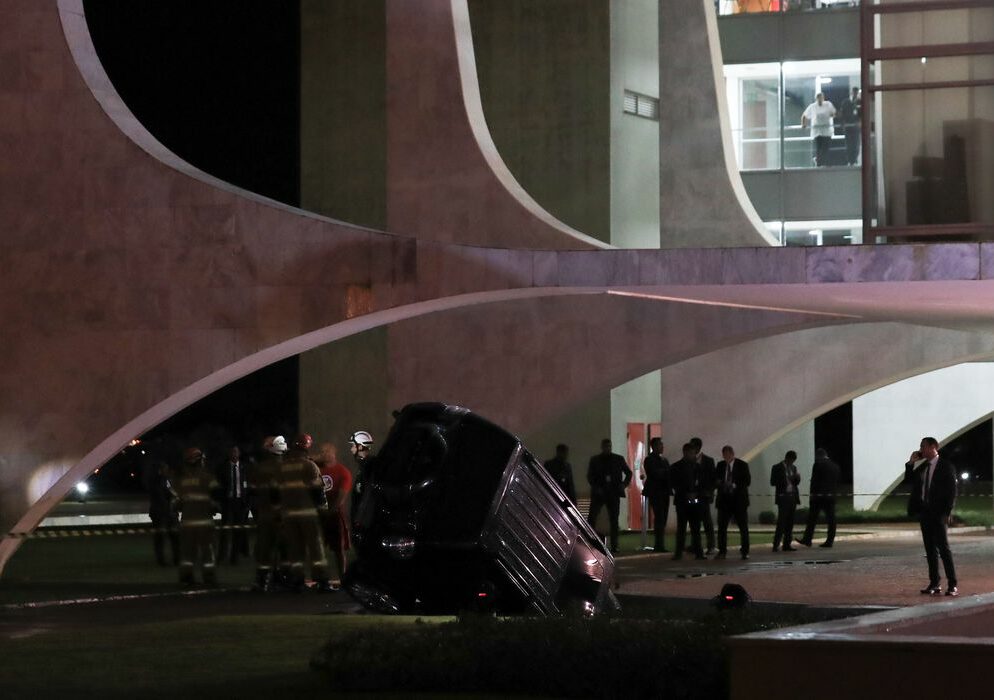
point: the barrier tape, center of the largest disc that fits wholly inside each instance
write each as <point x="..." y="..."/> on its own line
<point x="97" y="532"/>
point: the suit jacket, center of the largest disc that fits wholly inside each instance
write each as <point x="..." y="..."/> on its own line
<point x="685" y="481"/>
<point x="778" y="480"/>
<point x="707" y="477"/>
<point x="561" y="472"/>
<point x="657" y="476"/>
<point x="941" y="495"/>
<point x="224" y="479"/>
<point x="733" y="494"/>
<point x="608" y="475"/>
<point x="824" y="478"/>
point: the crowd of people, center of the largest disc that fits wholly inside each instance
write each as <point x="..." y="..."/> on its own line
<point x="696" y="482"/>
<point x="296" y="497"/>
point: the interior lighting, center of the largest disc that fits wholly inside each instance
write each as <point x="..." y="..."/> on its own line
<point x="815" y="232"/>
<point x="924" y="60"/>
<point x="82" y="488"/>
<point x="965" y="476"/>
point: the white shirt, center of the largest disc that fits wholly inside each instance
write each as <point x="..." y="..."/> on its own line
<point x="819" y="116"/>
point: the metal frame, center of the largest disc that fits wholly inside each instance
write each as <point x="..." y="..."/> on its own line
<point x="871" y="54"/>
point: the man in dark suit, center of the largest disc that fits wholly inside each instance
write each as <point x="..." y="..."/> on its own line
<point x="733" y="481"/>
<point x="685" y="481"/>
<point x="824" y="484"/>
<point x="785" y="479"/>
<point x="233" y="482"/>
<point x="656" y="489"/>
<point x="707" y="490"/>
<point x="561" y="471"/>
<point x="608" y="475"/>
<point x="933" y="495"/>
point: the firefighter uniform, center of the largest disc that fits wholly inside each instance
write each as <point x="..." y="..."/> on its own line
<point x="301" y="491"/>
<point x="195" y="488"/>
<point x="263" y="480"/>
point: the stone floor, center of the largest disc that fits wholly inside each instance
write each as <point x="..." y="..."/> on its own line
<point x="885" y="567"/>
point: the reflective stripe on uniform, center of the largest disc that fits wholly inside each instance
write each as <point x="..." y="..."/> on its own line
<point x="300" y="512"/>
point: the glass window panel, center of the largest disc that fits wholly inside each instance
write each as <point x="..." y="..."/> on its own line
<point x="800" y="90"/>
<point x="951" y="26"/>
<point x="936" y="157"/>
<point x="934" y="70"/>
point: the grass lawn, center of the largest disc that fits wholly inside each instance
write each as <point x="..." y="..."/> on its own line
<point x="247" y="657"/>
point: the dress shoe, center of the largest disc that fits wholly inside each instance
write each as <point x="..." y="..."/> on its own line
<point x="700" y="556"/>
<point x="952" y="591"/>
<point x="931" y="590"/>
<point x="806" y="543"/>
<point x="676" y="557"/>
<point x="660" y="550"/>
<point x="710" y="551"/>
<point x="789" y="549"/>
<point x="777" y="549"/>
<point x="826" y="545"/>
<point x="720" y="555"/>
<point x="745" y="556"/>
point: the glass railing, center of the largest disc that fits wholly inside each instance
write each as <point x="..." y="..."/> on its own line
<point x="739" y="7"/>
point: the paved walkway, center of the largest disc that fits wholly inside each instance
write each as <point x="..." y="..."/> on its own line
<point x="886" y="566"/>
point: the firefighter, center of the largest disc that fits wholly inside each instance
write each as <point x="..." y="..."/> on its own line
<point x="196" y="489"/>
<point x="301" y="494"/>
<point x="263" y="481"/>
<point x="361" y="445"/>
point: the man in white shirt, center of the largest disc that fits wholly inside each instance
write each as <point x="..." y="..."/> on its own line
<point x="818" y="116"/>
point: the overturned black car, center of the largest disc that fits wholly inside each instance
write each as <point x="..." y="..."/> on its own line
<point x="454" y="514"/>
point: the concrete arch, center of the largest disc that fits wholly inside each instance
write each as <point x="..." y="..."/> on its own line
<point x="888" y="423"/>
<point x="827" y="367"/>
<point x="451" y="141"/>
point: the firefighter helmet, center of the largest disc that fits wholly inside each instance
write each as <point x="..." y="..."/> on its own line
<point x="360" y="441"/>
<point x="274" y="444"/>
<point x="303" y="441"/>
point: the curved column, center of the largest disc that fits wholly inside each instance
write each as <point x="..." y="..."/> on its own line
<point x="445" y="179"/>
<point x="890" y="422"/>
<point x="702" y="201"/>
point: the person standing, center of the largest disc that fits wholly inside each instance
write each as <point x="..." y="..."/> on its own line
<point x="824" y="483"/>
<point x="785" y="479"/>
<point x="162" y="512"/>
<point x="707" y="486"/>
<point x="337" y="480"/>
<point x="233" y="538"/>
<point x="608" y="475"/>
<point x="733" y="480"/>
<point x="561" y="471"/>
<point x="818" y="115"/>
<point x="264" y="491"/>
<point x="851" y="115"/>
<point x="301" y="494"/>
<point x="196" y="489"/>
<point x="933" y="495"/>
<point x="685" y="481"/>
<point x="656" y="489"/>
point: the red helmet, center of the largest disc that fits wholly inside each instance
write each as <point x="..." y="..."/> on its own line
<point x="192" y="455"/>
<point x="303" y="441"/>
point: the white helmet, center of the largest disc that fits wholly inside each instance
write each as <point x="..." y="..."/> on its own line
<point x="360" y="441"/>
<point x="277" y="446"/>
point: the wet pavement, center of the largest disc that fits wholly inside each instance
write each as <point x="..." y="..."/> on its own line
<point x="885" y="567"/>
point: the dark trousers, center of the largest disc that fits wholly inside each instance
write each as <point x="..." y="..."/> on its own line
<point x="613" y="509"/>
<point x="852" y="144"/>
<point x="233" y="543"/>
<point x="785" y="523"/>
<point x="936" y="542"/>
<point x="165" y="527"/>
<point x="660" y="504"/>
<point x="821" y="503"/>
<point x="708" y="523"/>
<point x="822" y="144"/>
<point x="739" y="511"/>
<point x="689" y="514"/>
